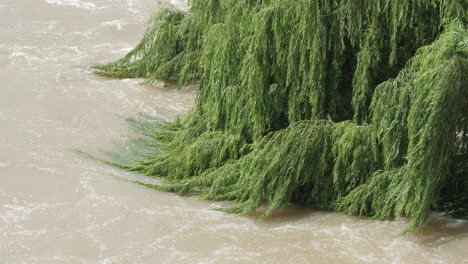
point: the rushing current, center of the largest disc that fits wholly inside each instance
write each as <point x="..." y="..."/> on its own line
<point x="59" y="207"/>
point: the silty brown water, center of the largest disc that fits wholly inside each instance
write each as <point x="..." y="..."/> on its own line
<point x="59" y="207"/>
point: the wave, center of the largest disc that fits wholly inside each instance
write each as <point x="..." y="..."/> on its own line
<point x="74" y="3"/>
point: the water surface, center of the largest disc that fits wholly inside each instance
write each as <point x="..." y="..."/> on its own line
<point x="58" y="207"/>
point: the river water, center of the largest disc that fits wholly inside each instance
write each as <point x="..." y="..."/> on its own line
<point x="59" y="207"/>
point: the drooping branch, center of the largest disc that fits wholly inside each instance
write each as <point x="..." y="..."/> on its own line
<point x="358" y="106"/>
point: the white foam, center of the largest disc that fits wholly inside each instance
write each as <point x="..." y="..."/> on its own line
<point x="114" y="23"/>
<point x="51" y="170"/>
<point x="131" y="6"/>
<point x="52" y="25"/>
<point x="15" y="213"/>
<point x="181" y="4"/>
<point x="18" y="54"/>
<point x="26" y="233"/>
<point x="73" y="3"/>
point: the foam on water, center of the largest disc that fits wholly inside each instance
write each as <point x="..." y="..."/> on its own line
<point x="57" y="207"/>
<point x="115" y="23"/>
<point x="180" y="4"/>
<point x="74" y="3"/>
<point x="133" y="6"/>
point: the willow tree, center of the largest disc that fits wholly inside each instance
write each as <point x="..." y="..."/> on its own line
<point x="356" y="106"/>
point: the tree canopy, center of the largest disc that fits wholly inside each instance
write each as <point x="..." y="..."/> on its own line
<point x="356" y="106"/>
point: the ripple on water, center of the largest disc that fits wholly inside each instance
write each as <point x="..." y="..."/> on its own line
<point x="16" y="213"/>
<point x="74" y="3"/>
<point x="115" y="23"/>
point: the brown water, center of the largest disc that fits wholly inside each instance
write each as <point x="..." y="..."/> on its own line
<point x="58" y="207"/>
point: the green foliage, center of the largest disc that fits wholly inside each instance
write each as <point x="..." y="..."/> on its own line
<point x="357" y="106"/>
<point x="419" y="112"/>
<point x="168" y="51"/>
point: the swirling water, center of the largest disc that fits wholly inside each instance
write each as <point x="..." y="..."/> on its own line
<point x="59" y="207"/>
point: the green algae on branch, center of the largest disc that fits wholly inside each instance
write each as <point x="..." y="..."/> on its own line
<point x="356" y="106"/>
